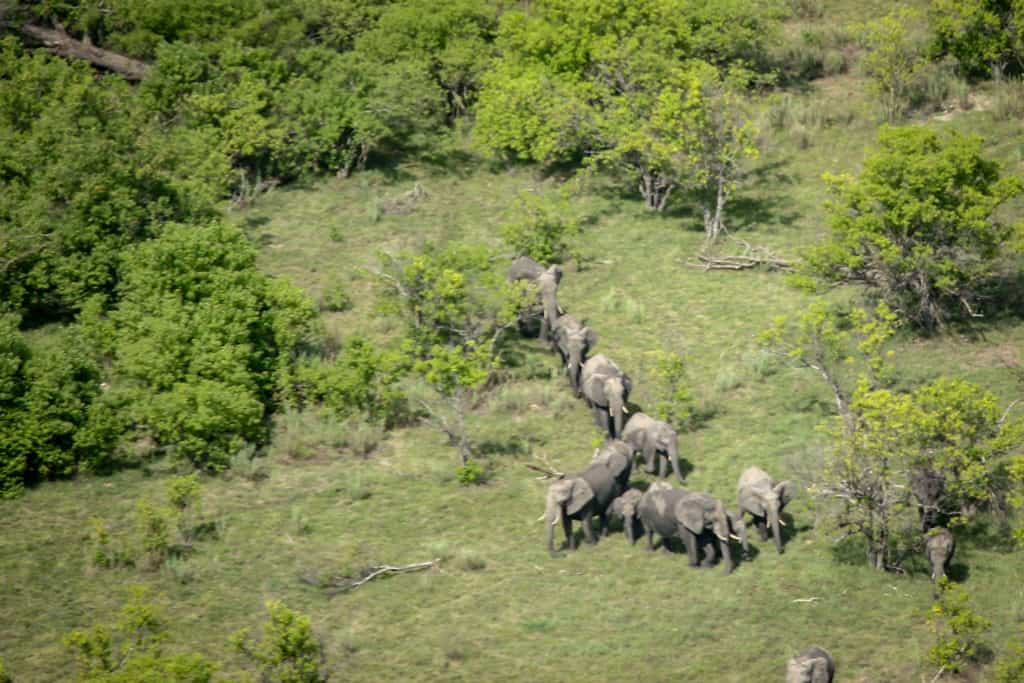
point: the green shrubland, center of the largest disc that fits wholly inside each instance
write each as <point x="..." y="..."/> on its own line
<point x="193" y="290"/>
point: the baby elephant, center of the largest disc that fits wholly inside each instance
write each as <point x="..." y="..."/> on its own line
<point x="939" y="546"/>
<point x="625" y="506"/>
<point x="813" y="665"/>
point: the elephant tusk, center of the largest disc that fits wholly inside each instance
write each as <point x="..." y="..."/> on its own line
<point x="781" y="523"/>
<point x="735" y="537"/>
<point x="541" y="518"/>
<point x="722" y="538"/>
<point x="625" y="410"/>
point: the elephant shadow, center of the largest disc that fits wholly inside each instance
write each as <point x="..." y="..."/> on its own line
<point x="790" y="530"/>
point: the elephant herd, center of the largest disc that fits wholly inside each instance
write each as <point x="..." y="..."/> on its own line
<point x="699" y="520"/>
<point x="602" y="489"/>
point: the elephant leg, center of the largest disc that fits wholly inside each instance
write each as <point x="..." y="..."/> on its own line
<point x="588" y="530"/>
<point x="628" y="526"/>
<point x="762" y="528"/>
<point x="649" y="533"/>
<point x="649" y="456"/>
<point x="603" y="517"/>
<point x="567" y="528"/>
<point x="708" y="550"/>
<point x="601" y="418"/>
<point x="726" y="556"/>
<point x="663" y="466"/>
<point x="690" y="540"/>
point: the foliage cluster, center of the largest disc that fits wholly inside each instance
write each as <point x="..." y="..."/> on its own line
<point x="918" y="226"/>
<point x="958" y="629"/>
<point x="544" y="228"/>
<point x="882" y="435"/>
<point x="288" y="652"/>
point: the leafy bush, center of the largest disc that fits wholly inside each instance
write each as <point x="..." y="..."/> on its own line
<point x="958" y="629"/>
<point x="917" y="227"/>
<point x="673" y="401"/>
<point x="289" y="651"/>
<point x="361" y="379"/>
<point x="895" y="52"/>
<point x="543" y="229"/>
<point x="471" y="473"/>
<point x="335" y="298"/>
<point x="131" y="649"/>
<point x="1010" y="667"/>
<point x="983" y="35"/>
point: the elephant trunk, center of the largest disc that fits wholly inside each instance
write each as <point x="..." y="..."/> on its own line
<point x="673" y="456"/>
<point x="615" y="409"/>
<point x="552" y="517"/>
<point x="574" y="369"/>
<point x="938" y="568"/>
<point x="773" y="518"/>
<point x="726" y="555"/>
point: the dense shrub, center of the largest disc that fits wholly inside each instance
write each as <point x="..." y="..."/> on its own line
<point x="917" y="226"/>
<point x="288" y="652"/>
<point x="543" y="229"/>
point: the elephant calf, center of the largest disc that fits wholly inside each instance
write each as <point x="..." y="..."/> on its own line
<point x="581" y="496"/>
<point x="655" y="440"/>
<point x="813" y="665"/>
<point x="625" y="506"/>
<point x="763" y="499"/>
<point x="696" y="518"/>
<point x="939" y="546"/>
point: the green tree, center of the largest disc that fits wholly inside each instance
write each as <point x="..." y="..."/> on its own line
<point x="895" y="53"/>
<point x="457" y="309"/>
<point x="543" y="228"/>
<point x="985" y="36"/>
<point x="881" y="435"/>
<point x="917" y="226"/>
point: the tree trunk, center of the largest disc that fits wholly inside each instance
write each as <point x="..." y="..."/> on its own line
<point x="655" y="190"/>
<point x="64" y="45"/>
<point x="713" y="218"/>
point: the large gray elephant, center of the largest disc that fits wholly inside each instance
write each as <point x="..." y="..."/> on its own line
<point x="573" y="340"/>
<point x="813" y="665"/>
<point x="656" y="440"/>
<point x="546" y="280"/>
<point x="581" y="496"/>
<point x="606" y="389"/>
<point x="929" y="488"/>
<point x="764" y="500"/>
<point x="699" y="519"/>
<point x="939" y="546"/>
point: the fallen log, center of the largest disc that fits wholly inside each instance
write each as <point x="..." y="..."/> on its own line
<point x="750" y="257"/>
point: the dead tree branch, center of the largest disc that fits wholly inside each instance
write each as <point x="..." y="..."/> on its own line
<point x="61" y="43"/>
<point x="749" y="257"/>
<point x="342" y="584"/>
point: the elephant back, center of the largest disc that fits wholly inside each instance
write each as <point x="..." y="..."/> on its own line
<point x="636" y="429"/>
<point x="657" y="508"/>
<point x="608" y="481"/>
<point x="813" y="665"/>
<point x="525" y="268"/>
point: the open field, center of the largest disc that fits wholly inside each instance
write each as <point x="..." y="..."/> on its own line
<point x="500" y="608"/>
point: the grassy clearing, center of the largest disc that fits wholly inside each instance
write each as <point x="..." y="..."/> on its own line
<point x="499" y="608"/>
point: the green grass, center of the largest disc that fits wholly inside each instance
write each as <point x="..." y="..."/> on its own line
<point x="499" y="608"/>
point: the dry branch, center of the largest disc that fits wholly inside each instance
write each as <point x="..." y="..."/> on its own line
<point x="59" y="42"/>
<point x="750" y="257"/>
<point x="342" y="584"/>
<point x="547" y="470"/>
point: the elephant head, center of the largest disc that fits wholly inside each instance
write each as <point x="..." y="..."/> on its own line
<point x="566" y="497"/>
<point x="612" y="392"/>
<point x="547" y="282"/>
<point x="574" y="341"/>
<point x="939" y="547"/>
<point x="760" y="496"/>
<point x="626" y="506"/>
<point x="929" y="488"/>
<point x="813" y="665"/>
<point x="700" y="513"/>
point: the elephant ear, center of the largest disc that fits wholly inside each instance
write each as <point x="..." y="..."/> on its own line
<point x="627" y="385"/>
<point x="690" y="512"/>
<point x="751" y="502"/>
<point x="556" y="271"/>
<point x="561" y="335"/>
<point x="819" y="670"/>
<point x="590" y="338"/>
<point x="720" y="522"/>
<point x="785" y="490"/>
<point x="581" y="495"/>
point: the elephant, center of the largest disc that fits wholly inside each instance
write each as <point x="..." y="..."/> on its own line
<point x="581" y="496"/>
<point x="606" y="389"/>
<point x="696" y="518"/>
<point x="625" y="506"/>
<point x="760" y="497"/>
<point x="654" y="439"/>
<point x="813" y="665"/>
<point x="929" y="488"/>
<point x="573" y="340"/>
<point x="546" y="280"/>
<point x="939" y="546"/>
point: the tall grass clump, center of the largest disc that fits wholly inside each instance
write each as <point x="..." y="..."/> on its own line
<point x="1008" y="99"/>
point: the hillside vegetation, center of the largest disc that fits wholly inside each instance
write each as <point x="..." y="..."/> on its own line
<point x="256" y="338"/>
